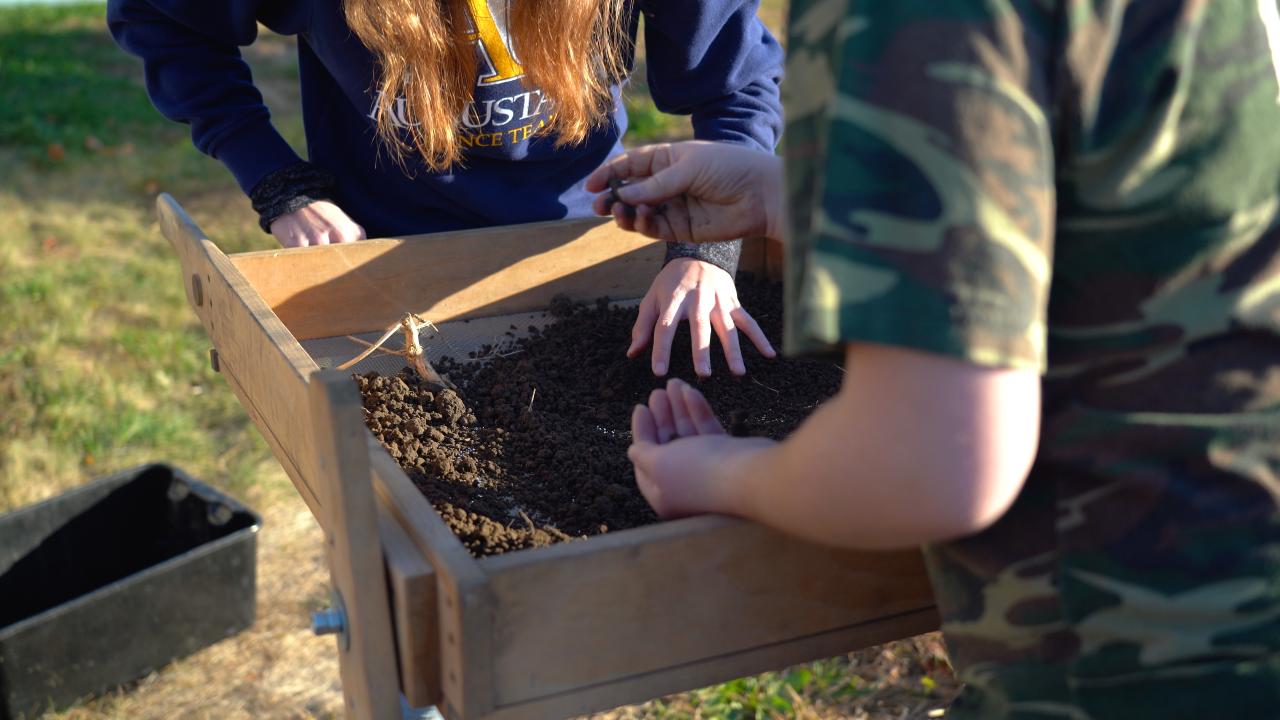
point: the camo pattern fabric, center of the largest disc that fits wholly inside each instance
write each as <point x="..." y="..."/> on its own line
<point x="1089" y="189"/>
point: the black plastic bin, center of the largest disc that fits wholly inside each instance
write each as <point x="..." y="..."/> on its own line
<point x="104" y="583"/>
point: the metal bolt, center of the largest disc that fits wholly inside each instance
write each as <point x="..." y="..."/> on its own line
<point x="333" y="621"/>
<point x="328" y="622"/>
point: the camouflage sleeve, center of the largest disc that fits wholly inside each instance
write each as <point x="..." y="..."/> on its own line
<point x="920" y="176"/>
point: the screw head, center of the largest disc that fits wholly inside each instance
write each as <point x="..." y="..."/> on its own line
<point x="333" y="621"/>
<point x="328" y="622"/>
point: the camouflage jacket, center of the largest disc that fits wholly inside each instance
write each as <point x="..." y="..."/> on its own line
<point x="1089" y="188"/>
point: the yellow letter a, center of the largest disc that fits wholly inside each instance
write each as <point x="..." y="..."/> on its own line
<point x="488" y="35"/>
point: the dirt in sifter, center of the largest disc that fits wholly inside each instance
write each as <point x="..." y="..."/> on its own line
<point x="531" y="450"/>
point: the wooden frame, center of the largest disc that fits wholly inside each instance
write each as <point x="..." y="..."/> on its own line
<point x="549" y="632"/>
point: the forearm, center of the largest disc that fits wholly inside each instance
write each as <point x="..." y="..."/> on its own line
<point x="716" y="61"/>
<point x="887" y="464"/>
<point x="847" y="490"/>
<point x="288" y="190"/>
<point x="195" y="75"/>
<point x="750" y="116"/>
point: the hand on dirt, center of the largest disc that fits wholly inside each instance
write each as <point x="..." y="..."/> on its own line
<point x="692" y="191"/>
<point x="320" y="223"/>
<point x="682" y="455"/>
<point x="706" y="296"/>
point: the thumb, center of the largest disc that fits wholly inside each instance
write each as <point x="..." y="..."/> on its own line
<point x="668" y="183"/>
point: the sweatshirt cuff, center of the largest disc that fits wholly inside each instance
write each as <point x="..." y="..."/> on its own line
<point x="253" y="152"/>
<point x="289" y="189"/>
<point x="723" y="255"/>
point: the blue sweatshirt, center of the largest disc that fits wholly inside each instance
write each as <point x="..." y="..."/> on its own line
<point x="712" y="59"/>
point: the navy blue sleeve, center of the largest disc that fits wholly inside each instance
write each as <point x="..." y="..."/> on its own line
<point x="195" y="75"/>
<point x="715" y="60"/>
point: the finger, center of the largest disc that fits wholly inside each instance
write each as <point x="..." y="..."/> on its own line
<point x="642" y="331"/>
<point x="598" y="180"/>
<point x="620" y="167"/>
<point x="700" y="412"/>
<point x="665" y="334"/>
<point x="700" y="330"/>
<point x="673" y="220"/>
<point x="634" y="163"/>
<point x="661" y="186"/>
<point x="727" y="331"/>
<point x="655" y="225"/>
<point x="679" y="413"/>
<point x="646" y="223"/>
<point x="320" y="238"/>
<point x="660" y="408"/>
<point x="624" y="219"/>
<point x="644" y="457"/>
<point x="747" y="324"/>
<point x="665" y="219"/>
<point x="360" y="233"/>
<point x="643" y="427"/>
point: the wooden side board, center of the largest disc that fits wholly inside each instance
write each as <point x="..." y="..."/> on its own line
<point x="411" y="584"/>
<point x="262" y="362"/>
<point x="366" y="651"/>
<point x="708" y="671"/>
<point x="632" y="615"/>
<point x="464" y="607"/>
<point x="623" y="606"/>
<point x="340" y="289"/>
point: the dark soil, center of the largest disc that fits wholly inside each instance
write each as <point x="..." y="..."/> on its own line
<point x="532" y="448"/>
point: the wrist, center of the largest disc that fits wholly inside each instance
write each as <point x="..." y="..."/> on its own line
<point x="288" y="190"/>
<point x="724" y="255"/>
<point x="773" y="201"/>
<point x="740" y="479"/>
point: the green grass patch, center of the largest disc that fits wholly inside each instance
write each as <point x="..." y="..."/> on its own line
<point x="65" y="87"/>
<point x="103" y="365"/>
<point x="647" y="124"/>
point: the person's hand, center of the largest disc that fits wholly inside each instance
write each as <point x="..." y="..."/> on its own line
<point x="693" y="191"/>
<point x="684" y="460"/>
<point x="706" y="296"/>
<point x="320" y="223"/>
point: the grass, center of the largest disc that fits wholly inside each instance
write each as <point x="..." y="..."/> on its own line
<point x="103" y="366"/>
<point x="907" y="680"/>
<point x="54" y="97"/>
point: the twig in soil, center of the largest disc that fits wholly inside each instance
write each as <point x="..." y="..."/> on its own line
<point x="527" y="520"/>
<point x="532" y="395"/>
<point x="766" y="387"/>
<point x="497" y="348"/>
<point x="370" y="347"/>
<point x="410" y="325"/>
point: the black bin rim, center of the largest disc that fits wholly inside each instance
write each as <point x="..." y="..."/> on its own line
<point x="204" y="490"/>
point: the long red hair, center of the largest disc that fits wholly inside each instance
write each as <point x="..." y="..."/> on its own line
<point x="572" y="50"/>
